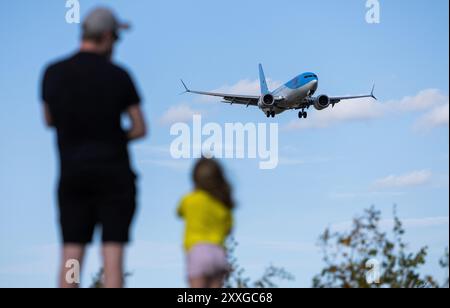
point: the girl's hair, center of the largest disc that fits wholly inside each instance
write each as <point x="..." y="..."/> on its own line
<point x="209" y="176"/>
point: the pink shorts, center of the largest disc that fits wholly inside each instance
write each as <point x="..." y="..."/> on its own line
<point x="207" y="260"/>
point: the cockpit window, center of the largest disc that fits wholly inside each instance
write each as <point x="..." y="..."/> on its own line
<point x="310" y="76"/>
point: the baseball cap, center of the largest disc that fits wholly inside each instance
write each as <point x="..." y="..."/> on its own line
<point x="101" y="20"/>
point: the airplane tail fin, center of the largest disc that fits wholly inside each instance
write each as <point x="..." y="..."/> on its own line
<point x="263" y="82"/>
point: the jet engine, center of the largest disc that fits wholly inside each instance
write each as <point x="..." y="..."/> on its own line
<point x="321" y="102"/>
<point x="268" y="100"/>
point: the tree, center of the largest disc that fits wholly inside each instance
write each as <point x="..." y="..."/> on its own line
<point x="97" y="280"/>
<point x="351" y="256"/>
<point x="238" y="279"/>
<point x="444" y="265"/>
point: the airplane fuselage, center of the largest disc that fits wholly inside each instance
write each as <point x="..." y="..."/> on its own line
<point x="294" y="93"/>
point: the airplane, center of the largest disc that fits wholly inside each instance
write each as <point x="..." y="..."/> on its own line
<point x="297" y="94"/>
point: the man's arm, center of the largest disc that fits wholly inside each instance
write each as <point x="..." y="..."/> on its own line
<point x="48" y="116"/>
<point x="138" y="128"/>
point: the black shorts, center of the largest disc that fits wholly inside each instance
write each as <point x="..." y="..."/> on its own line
<point x="105" y="199"/>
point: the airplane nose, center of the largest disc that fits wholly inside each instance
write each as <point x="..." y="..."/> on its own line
<point x="314" y="84"/>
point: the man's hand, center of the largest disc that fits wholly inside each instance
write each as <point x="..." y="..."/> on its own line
<point x="48" y="116"/>
<point x="138" y="126"/>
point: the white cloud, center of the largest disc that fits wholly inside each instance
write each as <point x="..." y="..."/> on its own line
<point x="424" y="100"/>
<point x="354" y="110"/>
<point x="435" y="118"/>
<point x="243" y="87"/>
<point x="179" y="113"/>
<point x="415" y="178"/>
<point x="431" y="100"/>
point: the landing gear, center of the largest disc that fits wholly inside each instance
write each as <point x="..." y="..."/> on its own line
<point x="270" y="114"/>
<point x="302" y="114"/>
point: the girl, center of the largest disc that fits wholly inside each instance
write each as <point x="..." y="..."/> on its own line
<point x="207" y="212"/>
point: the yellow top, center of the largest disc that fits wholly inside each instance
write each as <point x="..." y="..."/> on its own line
<point x="208" y="221"/>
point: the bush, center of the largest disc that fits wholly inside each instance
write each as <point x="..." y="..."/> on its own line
<point x="350" y="257"/>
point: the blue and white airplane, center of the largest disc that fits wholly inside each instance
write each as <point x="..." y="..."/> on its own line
<point x="297" y="94"/>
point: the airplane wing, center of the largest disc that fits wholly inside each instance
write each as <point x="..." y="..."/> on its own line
<point x="337" y="99"/>
<point x="248" y="100"/>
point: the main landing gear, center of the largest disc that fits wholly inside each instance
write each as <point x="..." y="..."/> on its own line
<point x="303" y="114"/>
<point x="270" y="114"/>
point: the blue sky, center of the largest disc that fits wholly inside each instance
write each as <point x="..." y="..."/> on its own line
<point x="332" y="166"/>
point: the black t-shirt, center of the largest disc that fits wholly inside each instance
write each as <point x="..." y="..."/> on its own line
<point x="87" y="95"/>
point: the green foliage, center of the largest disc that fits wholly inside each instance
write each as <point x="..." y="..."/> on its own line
<point x="444" y="265"/>
<point x="238" y="279"/>
<point x="97" y="280"/>
<point x="346" y="255"/>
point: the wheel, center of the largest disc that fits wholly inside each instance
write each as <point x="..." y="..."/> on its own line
<point x="305" y="115"/>
<point x="273" y="114"/>
<point x="268" y="114"/>
<point x="300" y="115"/>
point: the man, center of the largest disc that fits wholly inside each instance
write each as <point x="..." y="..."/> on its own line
<point x="84" y="98"/>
